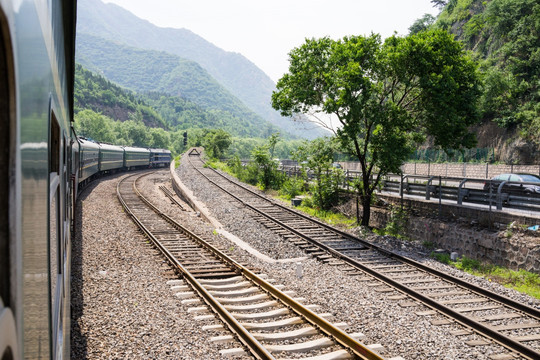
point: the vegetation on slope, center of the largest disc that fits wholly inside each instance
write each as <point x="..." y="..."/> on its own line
<point x="109" y="113"/>
<point x="96" y="93"/>
<point x="505" y="35"/>
<point x="160" y="72"/>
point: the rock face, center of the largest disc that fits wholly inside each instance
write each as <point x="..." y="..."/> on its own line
<point x="509" y="147"/>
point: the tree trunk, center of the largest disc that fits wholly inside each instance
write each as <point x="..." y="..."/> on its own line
<point x="366" y="210"/>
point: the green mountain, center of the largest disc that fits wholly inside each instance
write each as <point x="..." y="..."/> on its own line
<point x="98" y="94"/>
<point x="95" y="92"/>
<point x="237" y="74"/>
<point x="153" y="71"/>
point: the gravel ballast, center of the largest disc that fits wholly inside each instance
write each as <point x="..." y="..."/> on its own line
<point x="122" y="306"/>
<point x="382" y="320"/>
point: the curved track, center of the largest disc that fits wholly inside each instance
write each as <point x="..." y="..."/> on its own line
<point x="497" y="318"/>
<point x="267" y="321"/>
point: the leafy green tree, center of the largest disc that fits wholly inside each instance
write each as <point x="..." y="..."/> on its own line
<point x="216" y="142"/>
<point x="267" y="167"/>
<point x="136" y="133"/>
<point x="318" y="155"/>
<point x="387" y="96"/>
<point x="261" y="157"/>
<point x="422" y="24"/>
<point x="272" y="141"/>
<point x="159" y="138"/>
<point x="95" y="126"/>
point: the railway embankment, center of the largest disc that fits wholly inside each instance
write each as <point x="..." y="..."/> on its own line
<point x="238" y="210"/>
<point x="496" y="237"/>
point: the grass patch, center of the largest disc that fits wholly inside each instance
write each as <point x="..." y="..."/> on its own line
<point x="329" y="217"/>
<point x="522" y="281"/>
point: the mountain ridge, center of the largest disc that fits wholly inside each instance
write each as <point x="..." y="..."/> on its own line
<point x="235" y="72"/>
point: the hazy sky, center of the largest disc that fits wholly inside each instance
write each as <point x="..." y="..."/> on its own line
<point x="265" y="31"/>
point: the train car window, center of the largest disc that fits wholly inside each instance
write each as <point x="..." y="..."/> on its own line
<point x="5" y="129"/>
<point x="9" y="348"/>
<point x="56" y="167"/>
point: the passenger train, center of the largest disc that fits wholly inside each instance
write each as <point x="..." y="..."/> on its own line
<point x="96" y="159"/>
<point x="43" y="164"/>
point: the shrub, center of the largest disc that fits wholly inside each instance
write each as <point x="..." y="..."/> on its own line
<point x="292" y="187"/>
<point x="444" y="258"/>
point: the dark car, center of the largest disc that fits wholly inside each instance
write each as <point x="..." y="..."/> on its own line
<point x="515" y="183"/>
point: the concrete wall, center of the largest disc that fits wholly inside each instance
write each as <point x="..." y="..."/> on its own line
<point x="462" y="170"/>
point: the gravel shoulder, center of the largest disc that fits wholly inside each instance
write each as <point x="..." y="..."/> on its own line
<point x="122" y="306"/>
<point x="400" y="330"/>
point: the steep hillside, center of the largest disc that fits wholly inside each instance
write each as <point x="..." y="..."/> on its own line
<point x="96" y="93"/>
<point x="236" y="73"/>
<point x="505" y="36"/>
<point x="153" y="71"/>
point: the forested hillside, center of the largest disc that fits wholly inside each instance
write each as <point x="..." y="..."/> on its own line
<point x="505" y="37"/>
<point x="153" y="71"/>
<point x="94" y="92"/>
<point x="233" y="71"/>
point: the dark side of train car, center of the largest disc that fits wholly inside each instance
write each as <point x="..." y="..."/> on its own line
<point x="96" y="159"/>
<point x="111" y="158"/>
<point x="89" y="156"/>
<point x="37" y="41"/>
<point x="135" y="157"/>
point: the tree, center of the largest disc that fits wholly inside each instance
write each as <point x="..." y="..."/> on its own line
<point x="159" y="138"/>
<point x="94" y="125"/>
<point x="136" y="132"/>
<point x="216" y="142"/>
<point x="386" y="96"/>
<point x="318" y="156"/>
<point x="267" y="168"/>
<point x="422" y="24"/>
<point x="439" y="3"/>
<point x="272" y="141"/>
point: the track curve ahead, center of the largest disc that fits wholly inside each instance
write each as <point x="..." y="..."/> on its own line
<point x="495" y="317"/>
<point x="268" y="322"/>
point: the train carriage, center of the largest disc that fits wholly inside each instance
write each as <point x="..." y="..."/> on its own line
<point x="160" y="157"/>
<point x="42" y="163"/>
<point x="136" y="157"/>
<point x="37" y="41"/>
<point x="111" y="158"/>
<point x="89" y="159"/>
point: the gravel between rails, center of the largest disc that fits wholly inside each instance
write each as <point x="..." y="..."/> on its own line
<point x="122" y="306"/>
<point x="382" y="320"/>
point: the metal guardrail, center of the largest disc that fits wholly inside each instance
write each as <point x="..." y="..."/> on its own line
<point x="460" y="190"/>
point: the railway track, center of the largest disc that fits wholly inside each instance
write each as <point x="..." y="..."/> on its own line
<point x="496" y="318"/>
<point x="267" y="321"/>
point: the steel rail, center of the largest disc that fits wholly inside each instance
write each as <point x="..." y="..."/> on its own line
<point x="358" y="349"/>
<point x="486" y="331"/>
<point x="170" y="195"/>
<point x="480" y="291"/>
<point x="244" y="336"/>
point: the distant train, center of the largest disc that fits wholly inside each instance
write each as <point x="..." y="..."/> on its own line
<point x="43" y="164"/>
<point x="95" y="159"/>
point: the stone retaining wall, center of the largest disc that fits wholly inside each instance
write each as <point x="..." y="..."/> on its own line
<point x="509" y="246"/>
